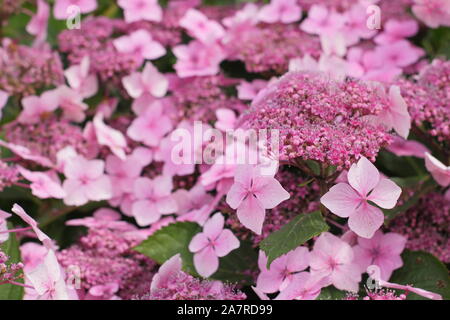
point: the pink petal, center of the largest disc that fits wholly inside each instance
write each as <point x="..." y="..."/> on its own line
<point x="145" y="212"/>
<point x="251" y="214"/>
<point x="225" y="243"/>
<point x="438" y="170"/>
<point x="341" y="199"/>
<point x="214" y="226"/>
<point x="168" y="269"/>
<point x="366" y="220"/>
<point x="269" y="281"/>
<point x="206" y="262"/>
<point x="385" y="194"/>
<point x="198" y="242"/>
<point x="269" y="192"/>
<point x="363" y="176"/>
<point x="298" y="260"/>
<point x="235" y="195"/>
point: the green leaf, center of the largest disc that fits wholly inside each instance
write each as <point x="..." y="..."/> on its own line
<point x="331" y="293"/>
<point x="169" y="241"/>
<point x="423" y="270"/>
<point x="293" y="234"/>
<point x="437" y="42"/>
<point x="11" y="249"/>
<point x="233" y="266"/>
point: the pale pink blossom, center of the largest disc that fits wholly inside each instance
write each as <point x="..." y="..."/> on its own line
<point x="304" y="286"/>
<point x="351" y="200"/>
<point x="35" y="107"/>
<point x="167" y="270"/>
<point x="39" y="22"/>
<point x="247" y="16"/>
<point x="432" y="12"/>
<point x="200" y="27"/>
<point x="188" y="200"/>
<point x="282" y="270"/>
<point x="438" y="170"/>
<point x="285" y="11"/>
<point x="103" y="218"/>
<point x="145" y="86"/>
<point x="150" y="126"/>
<point x="198" y="59"/>
<point x="48" y="243"/>
<point x="333" y="258"/>
<point x="26" y="154"/>
<point x="212" y="243"/>
<point x="71" y="102"/>
<point x="48" y="280"/>
<point x="249" y="90"/>
<point x="136" y="10"/>
<point x="61" y="9"/>
<point x="383" y="250"/>
<point x="32" y="254"/>
<point x="140" y="44"/>
<point x="107" y="136"/>
<point x="153" y="199"/>
<point x="398" y="54"/>
<point x="355" y="27"/>
<point x="253" y="193"/>
<point x="407" y="148"/>
<point x="395" y="30"/>
<point x="85" y="181"/>
<point x="226" y="119"/>
<point x="397" y="115"/>
<point x="81" y="80"/>
<point x="43" y="184"/>
<point x="321" y="20"/>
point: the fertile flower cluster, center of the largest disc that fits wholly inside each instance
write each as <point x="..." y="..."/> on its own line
<point x="178" y="150"/>
<point x="320" y="118"/>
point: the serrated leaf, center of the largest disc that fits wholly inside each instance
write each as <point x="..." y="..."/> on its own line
<point x="11" y="249"/>
<point x="301" y="229"/>
<point x="423" y="270"/>
<point x="169" y="241"/>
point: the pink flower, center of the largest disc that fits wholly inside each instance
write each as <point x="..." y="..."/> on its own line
<point x="200" y="27"/>
<point x="4" y="96"/>
<point x="32" y="255"/>
<point x="123" y="172"/>
<point x="38" y="23"/>
<point x="33" y="224"/>
<point x="141" y="45"/>
<point x="26" y="154"/>
<point x="153" y="199"/>
<point x="399" y="54"/>
<point x="150" y="126"/>
<point x="285" y="11"/>
<point x="333" y="258"/>
<point x="321" y="20"/>
<point x="34" y="107"/>
<point x="62" y="11"/>
<point x="395" y="30"/>
<point x="432" y="12"/>
<point x="226" y="119"/>
<point x="136" y="10"/>
<point x="406" y="148"/>
<point x="80" y="80"/>
<point x="85" y="181"/>
<point x="282" y="270"/>
<point x="249" y="90"/>
<point x="44" y="184"/>
<point x="198" y="59"/>
<point x="396" y="116"/>
<point x="304" y="286"/>
<point x="438" y="170"/>
<point x="188" y="200"/>
<point x="167" y="270"/>
<point x="150" y="83"/>
<point x="351" y="200"/>
<point x="252" y="193"/>
<point x="383" y="250"/>
<point x="103" y="218"/>
<point x="107" y="136"/>
<point x="355" y="26"/>
<point x="212" y="243"/>
<point x="71" y="102"/>
<point x="48" y="280"/>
